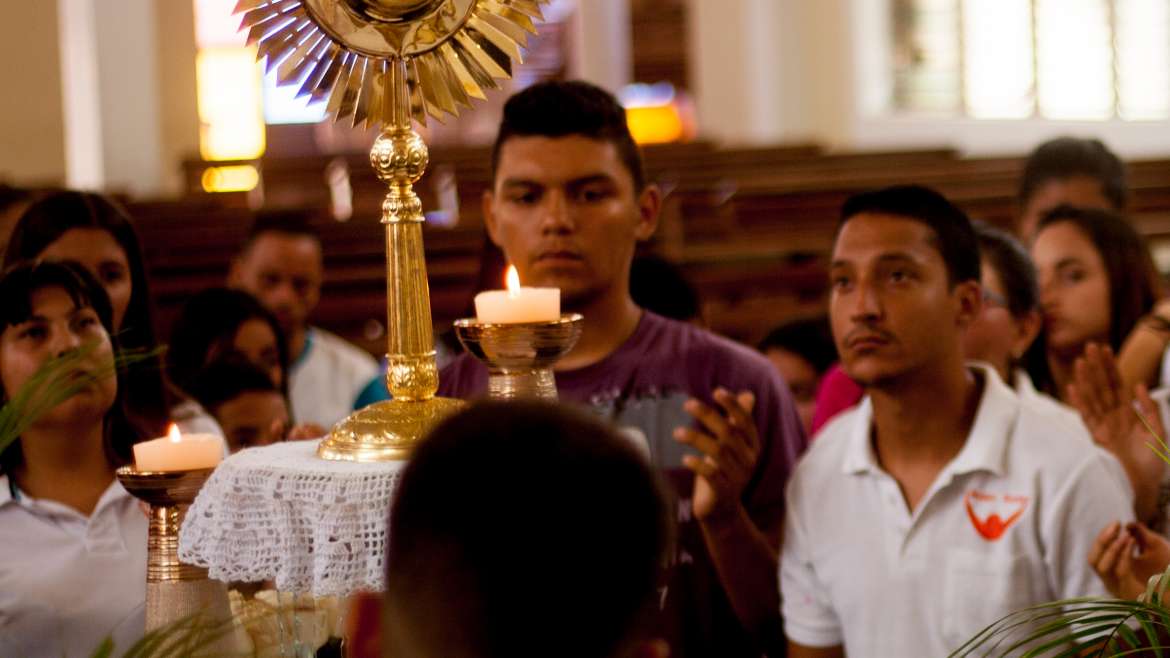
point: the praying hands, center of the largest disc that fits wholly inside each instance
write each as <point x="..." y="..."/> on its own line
<point x="1110" y="412"/>
<point x="730" y="445"/>
<point x="745" y="555"/>
<point x="1126" y="557"/>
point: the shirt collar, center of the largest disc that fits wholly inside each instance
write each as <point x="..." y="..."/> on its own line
<point x="986" y="445"/>
<point x="859" y="457"/>
<point x="306" y="349"/>
<point x="10" y="494"/>
<point x="1024" y="386"/>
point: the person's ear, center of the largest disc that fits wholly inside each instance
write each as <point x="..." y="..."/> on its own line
<point x="968" y="296"/>
<point x="487" y="204"/>
<point x="1027" y="328"/>
<point x="363" y="630"/>
<point x="649" y="208"/>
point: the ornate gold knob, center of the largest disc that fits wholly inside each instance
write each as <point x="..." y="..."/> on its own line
<point x="399" y="157"/>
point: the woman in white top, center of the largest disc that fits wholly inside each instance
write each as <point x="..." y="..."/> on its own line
<point x="97" y="233"/>
<point x="1010" y="320"/>
<point x="72" y="541"/>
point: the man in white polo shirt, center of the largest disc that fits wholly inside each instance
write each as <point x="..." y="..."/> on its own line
<point x="282" y="265"/>
<point x="941" y="503"/>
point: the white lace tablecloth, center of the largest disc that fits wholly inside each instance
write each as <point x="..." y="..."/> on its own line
<point x="280" y="513"/>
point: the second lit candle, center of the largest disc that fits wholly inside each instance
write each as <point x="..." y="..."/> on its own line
<point x="517" y="304"/>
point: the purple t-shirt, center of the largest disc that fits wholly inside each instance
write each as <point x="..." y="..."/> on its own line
<point x="644" y="384"/>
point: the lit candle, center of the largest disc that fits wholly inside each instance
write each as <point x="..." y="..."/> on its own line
<point x="518" y="304"/>
<point x="177" y="452"/>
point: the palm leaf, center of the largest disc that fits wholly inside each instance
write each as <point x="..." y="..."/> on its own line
<point x="200" y="635"/>
<point x="1162" y="450"/>
<point x="57" y="380"/>
<point x="1076" y="627"/>
<point x="1085" y="627"/>
<point x="193" y="636"/>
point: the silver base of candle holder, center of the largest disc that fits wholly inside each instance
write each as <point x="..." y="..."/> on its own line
<point x="520" y="356"/>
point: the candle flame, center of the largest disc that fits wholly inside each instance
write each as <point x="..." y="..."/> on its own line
<point x="512" y="279"/>
<point x="173" y="433"/>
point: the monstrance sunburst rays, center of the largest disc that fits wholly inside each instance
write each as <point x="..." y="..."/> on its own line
<point x="353" y="52"/>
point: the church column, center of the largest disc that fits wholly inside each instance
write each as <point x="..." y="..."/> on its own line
<point x="81" y="95"/>
<point x="128" y="113"/>
<point x="767" y="71"/>
<point x="601" y="49"/>
<point x="127" y="69"/>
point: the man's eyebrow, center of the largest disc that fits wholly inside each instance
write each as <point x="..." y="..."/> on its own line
<point x="519" y="182"/>
<point x="888" y="257"/>
<point x="590" y="179"/>
<point x="599" y="177"/>
<point x="897" y="257"/>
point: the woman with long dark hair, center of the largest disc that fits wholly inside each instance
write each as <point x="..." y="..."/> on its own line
<point x="95" y="232"/>
<point x="72" y="540"/>
<point x="1097" y="286"/>
<point x="1097" y="281"/>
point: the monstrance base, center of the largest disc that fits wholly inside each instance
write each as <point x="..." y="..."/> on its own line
<point x="385" y="431"/>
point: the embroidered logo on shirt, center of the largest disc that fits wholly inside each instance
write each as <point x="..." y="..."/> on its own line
<point x="993" y="514"/>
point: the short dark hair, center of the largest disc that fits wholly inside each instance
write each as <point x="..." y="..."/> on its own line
<point x="954" y="236"/>
<point x="811" y="339"/>
<point x="1066" y="157"/>
<point x="503" y="544"/>
<point x="226" y="379"/>
<point x="661" y="287"/>
<point x="11" y="196"/>
<point x="17" y="285"/>
<point x="49" y="217"/>
<point x="209" y="320"/>
<point x="562" y="108"/>
<point x="1134" y="285"/>
<point x="289" y="221"/>
<point x="1013" y="265"/>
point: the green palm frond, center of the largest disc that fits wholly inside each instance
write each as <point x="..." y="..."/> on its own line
<point x="1085" y="627"/>
<point x="261" y="629"/>
<point x="57" y="380"/>
<point x="1077" y="627"/>
<point x="196" y="636"/>
<point x="1162" y="450"/>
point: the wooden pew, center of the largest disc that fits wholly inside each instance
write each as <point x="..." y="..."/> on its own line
<point x="751" y="227"/>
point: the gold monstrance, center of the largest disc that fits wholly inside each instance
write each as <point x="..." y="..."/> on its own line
<point x="386" y="63"/>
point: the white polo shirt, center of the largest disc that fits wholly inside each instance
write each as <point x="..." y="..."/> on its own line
<point x="1007" y="524"/>
<point x="67" y="581"/>
<point x="328" y="378"/>
<point x="1045" y="403"/>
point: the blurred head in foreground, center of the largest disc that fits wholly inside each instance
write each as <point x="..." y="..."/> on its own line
<point x="521" y="529"/>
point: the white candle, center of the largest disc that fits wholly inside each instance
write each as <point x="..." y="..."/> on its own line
<point x="518" y="304"/>
<point x="178" y="452"/>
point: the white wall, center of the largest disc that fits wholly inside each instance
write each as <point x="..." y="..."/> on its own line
<point x="599" y="34"/>
<point x="127" y="80"/>
<point x="129" y="95"/>
<point x="871" y="126"/>
<point x="32" y="142"/>
<point x="768" y="71"/>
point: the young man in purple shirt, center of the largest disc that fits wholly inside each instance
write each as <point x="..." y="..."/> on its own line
<point x="568" y="205"/>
